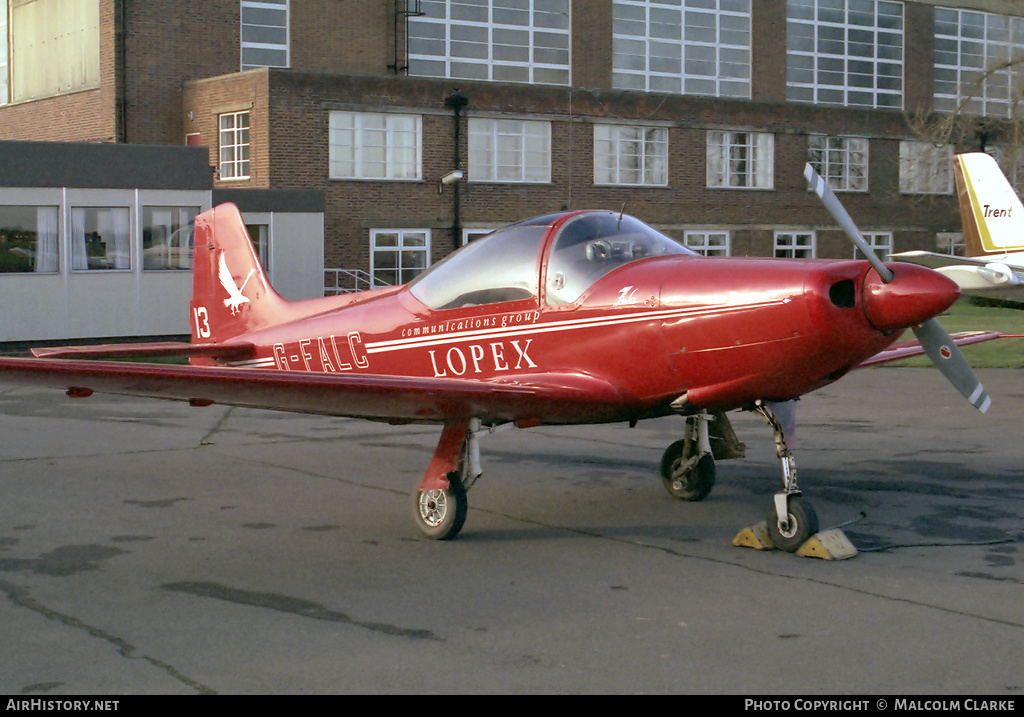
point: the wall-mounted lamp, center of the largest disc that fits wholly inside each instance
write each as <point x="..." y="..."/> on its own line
<point x="450" y="178"/>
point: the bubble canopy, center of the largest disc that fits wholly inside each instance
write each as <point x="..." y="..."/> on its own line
<point x="506" y="265"/>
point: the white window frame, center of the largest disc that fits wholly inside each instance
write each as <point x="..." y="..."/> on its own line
<point x="952" y="243"/>
<point x="695" y="48"/>
<point x="375" y="145"/>
<point x="117" y="219"/>
<point x="258" y="30"/>
<point x="842" y="161"/>
<point x="170" y="248"/>
<point x="42" y="255"/>
<point x="787" y="244"/>
<point x="400" y="248"/>
<point x="234" y="139"/>
<point x="740" y="160"/>
<point x="845" y="56"/>
<point x="471" y="234"/>
<point x="630" y="155"/>
<point x="5" y="52"/>
<point x="492" y="41"/>
<point x="969" y="45"/>
<point x="881" y="243"/>
<point x="925" y="168"/>
<point x="709" y="242"/>
<point x="509" y="150"/>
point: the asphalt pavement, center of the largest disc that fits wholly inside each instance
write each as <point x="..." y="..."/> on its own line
<point x="147" y="547"/>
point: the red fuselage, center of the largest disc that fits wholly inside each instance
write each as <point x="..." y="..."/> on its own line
<point x="708" y="333"/>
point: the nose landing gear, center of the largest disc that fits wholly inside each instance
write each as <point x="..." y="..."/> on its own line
<point x="791" y="520"/>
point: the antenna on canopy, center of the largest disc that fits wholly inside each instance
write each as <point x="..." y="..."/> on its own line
<point x="621" y="212"/>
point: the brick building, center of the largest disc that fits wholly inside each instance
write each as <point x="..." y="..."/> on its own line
<point x="696" y="116"/>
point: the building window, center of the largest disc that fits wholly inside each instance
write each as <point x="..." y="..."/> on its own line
<point x="498" y="40"/>
<point x="28" y="239"/>
<point x="698" y="47"/>
<point x="5" y="84"/>
<point x="397" y="256"/>
<point x="503" y="150"/>
<point x="373" y="145"/>
<point x="842" y="161"/>
<point x="630" y="155"/>
<point x="234" y="145"/>
<point x="741" y="160"/>
<point x="167" y="237"/>
<point x="472" y="234"/>
<point x="264" y="33"/>
<point x="879" y="242"/>
<point x="259" y="235"/>
<point x="952" y="243"/>
<point x="925" y="168"/>
<point x="977" y="62"/>
<point x="795" y="245"/>
<point x="707" y="242"/>
<point x="50" y="47"/>
<point x="100" y="238"/>
<point x="845" y="52"/>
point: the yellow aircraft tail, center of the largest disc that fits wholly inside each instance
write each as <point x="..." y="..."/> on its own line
<point x="991" y="211"/>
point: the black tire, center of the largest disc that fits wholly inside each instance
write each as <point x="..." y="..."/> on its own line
<point x="440" y="514"/>
<point x="803" y="523"/>
<point x="694" y="484"/>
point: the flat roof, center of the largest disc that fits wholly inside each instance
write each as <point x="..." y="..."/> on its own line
<point x="104" y="165"/>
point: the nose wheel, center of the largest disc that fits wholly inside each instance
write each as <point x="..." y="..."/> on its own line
<point x="800" y="524"/>
<point x="791" y="520"/>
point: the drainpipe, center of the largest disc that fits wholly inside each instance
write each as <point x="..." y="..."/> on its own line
<point x="455" y="102"/>
<point x="121" y="119"/>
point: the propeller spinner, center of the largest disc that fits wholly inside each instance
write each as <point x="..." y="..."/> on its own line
<point x="941" y="349"/>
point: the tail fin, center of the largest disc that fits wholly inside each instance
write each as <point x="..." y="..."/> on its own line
<point x="991" y="212"/>
<point x="230" y="292"/>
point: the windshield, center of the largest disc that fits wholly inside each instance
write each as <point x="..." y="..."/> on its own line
<point x="501" y="266"/>
<point x="591" y="245"/>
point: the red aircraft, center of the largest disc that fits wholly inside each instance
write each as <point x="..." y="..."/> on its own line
<point x="570" y="318"/>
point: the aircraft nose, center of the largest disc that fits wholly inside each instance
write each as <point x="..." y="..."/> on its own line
<point x="915" y="295"/>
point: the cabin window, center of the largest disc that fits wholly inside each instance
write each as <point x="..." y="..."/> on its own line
<point x="593" y="244"/>
<point x="167" y="238"/>
<point x="28" y="239"/>
<point x="499" y="267"/>
<point x="100" y="238"/>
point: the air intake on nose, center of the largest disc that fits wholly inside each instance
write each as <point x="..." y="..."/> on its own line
<point x="843" y="294"/>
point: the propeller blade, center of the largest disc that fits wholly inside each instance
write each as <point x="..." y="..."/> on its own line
<point x="820" y="187"/>
<point x="948" y="358"/>
<point x="941" y="349"/>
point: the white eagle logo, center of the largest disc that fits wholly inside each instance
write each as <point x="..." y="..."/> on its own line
<point x="235" y="298"/>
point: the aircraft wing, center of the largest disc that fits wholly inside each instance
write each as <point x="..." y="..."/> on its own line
<point x="911" y="347"/>
<point x="563" y="397"/>
<point x="229" y="350"/>
<point x="979" y="277"/>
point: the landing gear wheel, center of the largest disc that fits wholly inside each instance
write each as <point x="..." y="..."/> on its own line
<point x="682" y="479"/>
<point x="802" y="524"/>
<point x="441" y="513"/>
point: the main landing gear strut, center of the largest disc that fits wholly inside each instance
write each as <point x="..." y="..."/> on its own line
<point x="439" y="506"/>
<point x="688" y="471"/>
<point x="791" y="520"/>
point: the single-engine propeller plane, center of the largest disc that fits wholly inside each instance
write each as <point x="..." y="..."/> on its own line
<point x="569" y="318"/>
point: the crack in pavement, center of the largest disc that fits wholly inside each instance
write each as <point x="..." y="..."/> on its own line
<point x="20" y="596"/>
